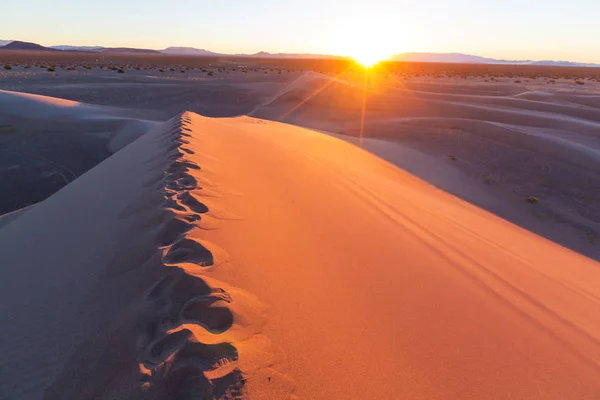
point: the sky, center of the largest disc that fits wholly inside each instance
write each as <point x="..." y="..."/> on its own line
<point x="507" y="29"/>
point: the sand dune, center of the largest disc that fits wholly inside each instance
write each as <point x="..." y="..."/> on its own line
<point x="238" y="257"/>
<point x="46" y="142"/>
<point x="512" y="141"/>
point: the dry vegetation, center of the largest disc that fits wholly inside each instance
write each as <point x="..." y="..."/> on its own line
<point x="490" y="73"/>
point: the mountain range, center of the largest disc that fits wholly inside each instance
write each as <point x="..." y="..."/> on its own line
<point x="471" y="59"/>
<point x="191" y="51"/>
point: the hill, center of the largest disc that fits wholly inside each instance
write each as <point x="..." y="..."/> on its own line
<point x="128" y="50"/>
<point x="460" y="58"/>
<point x="19" y="45"/>
<point x="191" y="51"/>
<point x="77" y="48"/>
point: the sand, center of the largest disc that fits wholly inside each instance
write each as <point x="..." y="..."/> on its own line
<point x="47" y="142"/>
<point x="239" y="257"/>
<point x="281" y="251"/>
<point x="494" y="144"/>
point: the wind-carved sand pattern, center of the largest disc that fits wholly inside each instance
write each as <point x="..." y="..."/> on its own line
<point x="195" y="337"/>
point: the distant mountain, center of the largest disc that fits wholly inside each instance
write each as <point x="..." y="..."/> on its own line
<point x="188" y="51"/>
<point x="77" y="48"/>
<point x="471" y="59"/>
<point x="192" y="51"/>
<point x="18" y="45"/>
<point x="265" y="54"/>
<point x="128" y="50"/>
<point x="563" y="63"/>
<point x="262" y="54"/>
<point x="441" y="58"/>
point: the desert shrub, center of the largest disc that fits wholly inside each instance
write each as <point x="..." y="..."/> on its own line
<point x="579" y="82"/>
<point x="7" y="67"/>
<point x="210" y="73"/>
<point x="591" y="237"/>
<point x="517" y="81"/>
<point x="7" y="129"/>
<point x="161" y="70"/>
<point x="453" y="158"/>
<point x="532" y="200"/>
<point x="182" y="71"/>
<point x="51" y="69"/>
<point x="121" y="71"/>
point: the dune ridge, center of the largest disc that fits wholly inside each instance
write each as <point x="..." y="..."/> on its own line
<point x="164" y="327"/>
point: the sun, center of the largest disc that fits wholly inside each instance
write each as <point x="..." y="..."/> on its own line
<point x="368" y="59"/>
<point x="369" y="52"/>
<point x="364" y="39"/>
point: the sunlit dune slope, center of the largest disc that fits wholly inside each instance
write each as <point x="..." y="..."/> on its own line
<point x="509" y="140"/>
<point x="241" y="257"/>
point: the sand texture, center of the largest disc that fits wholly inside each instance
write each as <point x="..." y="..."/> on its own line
<point x="243" y="258"/>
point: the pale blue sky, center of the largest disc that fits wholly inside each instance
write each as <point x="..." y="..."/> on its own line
<point x="514" y="29"/>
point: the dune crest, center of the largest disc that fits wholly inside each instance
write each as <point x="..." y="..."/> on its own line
<point x="169" y="329"/>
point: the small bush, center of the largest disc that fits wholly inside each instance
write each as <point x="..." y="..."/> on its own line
<point x="532" y="200"/>
<point x="7" y="67"/>
<point x="579" y="82"/>
<point x="7" y="129"/>
<point x="453" y="158"/>
<point x="161" y="70"/>
<point x="51" y="69"/>
<point x="591" y="237"/>
<point x="121" y="71"/>
<point x="210" y="73"/>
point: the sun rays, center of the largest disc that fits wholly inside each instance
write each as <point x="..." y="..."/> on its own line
<point x="367" y="80"/>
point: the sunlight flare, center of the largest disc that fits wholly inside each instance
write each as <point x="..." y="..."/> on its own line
<point x="369" y="58"/>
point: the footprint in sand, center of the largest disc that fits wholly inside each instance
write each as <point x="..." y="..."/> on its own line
<point x="188" y="250"/>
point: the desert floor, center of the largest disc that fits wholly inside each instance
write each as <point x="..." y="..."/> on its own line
<point x="270" y="232"/>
